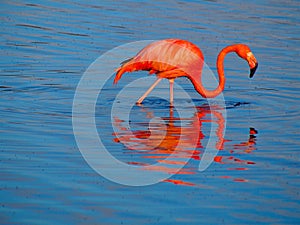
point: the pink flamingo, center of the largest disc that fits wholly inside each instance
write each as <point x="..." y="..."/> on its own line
<point x="172" y="58"/>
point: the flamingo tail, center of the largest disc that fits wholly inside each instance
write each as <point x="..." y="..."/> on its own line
<point x="131" y="65"/>
<point x="126" y="66"/>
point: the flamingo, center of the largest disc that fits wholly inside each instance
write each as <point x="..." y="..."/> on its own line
<point x="172" y="58"/>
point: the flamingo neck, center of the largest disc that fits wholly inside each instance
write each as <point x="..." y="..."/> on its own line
<point x="220" y="67"/>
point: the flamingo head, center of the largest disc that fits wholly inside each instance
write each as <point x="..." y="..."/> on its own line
<point x="244" y="52"/>
<point x="253" y="64"/>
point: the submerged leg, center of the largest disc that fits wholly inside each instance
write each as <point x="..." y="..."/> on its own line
<point x="171" y="91"/>
<point x="148" y="91"/>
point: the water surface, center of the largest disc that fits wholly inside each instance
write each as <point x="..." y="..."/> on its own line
<point x="47" y="45"/>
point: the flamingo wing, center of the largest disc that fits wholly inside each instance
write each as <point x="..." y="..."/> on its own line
<point x="168" y="58"/>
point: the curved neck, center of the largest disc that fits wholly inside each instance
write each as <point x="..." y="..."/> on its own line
<point x="220" y="67"/>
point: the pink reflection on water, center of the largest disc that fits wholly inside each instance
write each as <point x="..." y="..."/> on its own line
<point x="157" y="147"/>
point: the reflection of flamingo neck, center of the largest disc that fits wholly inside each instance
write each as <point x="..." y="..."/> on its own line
<point x="220" y="67"/>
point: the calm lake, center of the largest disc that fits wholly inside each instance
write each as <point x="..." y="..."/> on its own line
<point x="254" y="176"/>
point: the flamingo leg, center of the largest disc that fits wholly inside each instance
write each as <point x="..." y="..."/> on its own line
<point x="148" y="91"/>
<point x="171" y="91"/>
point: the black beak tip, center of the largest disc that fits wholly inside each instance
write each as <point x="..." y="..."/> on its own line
<point x="252" y="71"/>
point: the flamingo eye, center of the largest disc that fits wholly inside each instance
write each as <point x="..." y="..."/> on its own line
<point x="249" y="55"/>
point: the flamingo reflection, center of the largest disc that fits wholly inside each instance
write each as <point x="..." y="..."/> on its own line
<point x="168" y="136"/>
<point x="238" y="149"/>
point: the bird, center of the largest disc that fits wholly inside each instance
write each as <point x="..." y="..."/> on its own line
<point x="173" y="58"/>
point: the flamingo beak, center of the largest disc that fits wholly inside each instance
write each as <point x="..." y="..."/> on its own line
<point x="252" y="70"/>
<point x="253" y="64"/>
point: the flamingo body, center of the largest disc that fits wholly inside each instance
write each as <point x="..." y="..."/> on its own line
<point x="166" y="58"/>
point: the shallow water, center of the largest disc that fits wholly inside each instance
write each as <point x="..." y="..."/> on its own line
<point x="46" y="47"/>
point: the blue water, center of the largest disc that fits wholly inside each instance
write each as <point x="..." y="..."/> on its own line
<point x="47" y="45"/>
